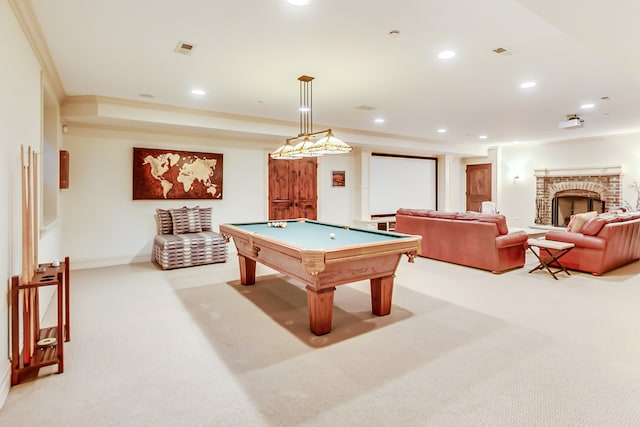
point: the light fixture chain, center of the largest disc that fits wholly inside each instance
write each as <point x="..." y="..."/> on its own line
<point x="301" y="108"/>
<point x="310" y="102"/>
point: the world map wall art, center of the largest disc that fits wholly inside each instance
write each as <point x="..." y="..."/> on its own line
<point x="173" y="174"/>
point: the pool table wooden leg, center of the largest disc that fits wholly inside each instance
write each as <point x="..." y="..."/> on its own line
<point x="320" y="305"/>
<point x="381" y="293"/>
<point x="247" y="270"/>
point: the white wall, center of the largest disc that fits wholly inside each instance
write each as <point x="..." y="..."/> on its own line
<point x="451" y="183"/>
<point x="518" y="195"/>
<point x="20" y="124"/>
<point x="338" y="205"/>
<point x="101" y="223"/>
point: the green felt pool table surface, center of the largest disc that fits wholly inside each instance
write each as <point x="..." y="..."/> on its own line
<point x="315" y="235"/>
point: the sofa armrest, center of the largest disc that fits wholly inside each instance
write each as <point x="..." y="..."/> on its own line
<point x="579" y="239"/>
<point x="511" y="239"/>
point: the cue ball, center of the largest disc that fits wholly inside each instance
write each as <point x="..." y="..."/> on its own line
<point x="332" y="235"/>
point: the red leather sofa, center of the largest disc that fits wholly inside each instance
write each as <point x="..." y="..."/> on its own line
<point x="475" y="240"/>
<point x="603" y="243"/>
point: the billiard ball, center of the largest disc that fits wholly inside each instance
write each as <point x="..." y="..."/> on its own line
<point x="284" y="225"/>
<point x="332" y="235"/>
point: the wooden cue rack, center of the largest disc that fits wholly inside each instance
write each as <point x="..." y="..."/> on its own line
<point x="42" y="346"/>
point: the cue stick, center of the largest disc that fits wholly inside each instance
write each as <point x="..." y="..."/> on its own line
<point x="36" y="233"/>
<point x="31" y="292"/>
<point x="30" y="268"/>
<point x="35" y="238"/>
<point x="26" y="323"/>
<point x="25" y="252"/>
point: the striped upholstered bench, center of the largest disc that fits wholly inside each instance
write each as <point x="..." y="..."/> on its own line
<point x="185" y="239"/>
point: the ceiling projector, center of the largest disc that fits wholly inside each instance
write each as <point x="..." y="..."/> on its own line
<point x="572" y="122"/>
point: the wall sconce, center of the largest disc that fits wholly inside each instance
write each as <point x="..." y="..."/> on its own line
<point x="515" y="174"/>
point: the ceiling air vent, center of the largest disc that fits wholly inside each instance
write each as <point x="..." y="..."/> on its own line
<point x="185" y="48"/>
<point x="502" y="51"/>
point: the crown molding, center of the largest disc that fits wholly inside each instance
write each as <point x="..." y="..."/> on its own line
<point x="578" y="171"/>
<point x="23" y="10"/>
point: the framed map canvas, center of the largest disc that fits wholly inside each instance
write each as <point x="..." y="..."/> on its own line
<point x="173" y="174"/>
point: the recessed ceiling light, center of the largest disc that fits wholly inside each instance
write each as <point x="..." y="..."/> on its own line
<point x="394" y="33"/>
<point x="527" y="85"/>
<point x="585" y="106"/>
<point x="442" y="130"/>
<point x="198" y="92"/>
<point x="515" y="142"/>
<point x="305" y="109"/>
<point x="299" y="2"/>
<point x="483" y="136"/>
<point x="379" y="120"/>
<point x="146" y="95"/>
<point x="446" y="54"/>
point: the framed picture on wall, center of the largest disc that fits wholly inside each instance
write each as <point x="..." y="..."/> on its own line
<point x="337" y="179"/>
<point x="174" y="174"/>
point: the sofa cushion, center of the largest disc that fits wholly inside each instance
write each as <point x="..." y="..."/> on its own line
<point x="499" y="220"/>
<point x="186" y="220"/>
<point x="577" y="221"/>
<point x="188" y="240"/>
<point x="593" y="226"/>
<point x="205" y="218"/>
<point x="164" y="221"/>
<point x="186" y="250"/>
<point x="413" y="212"/>
<point x="579" y="239"/>
<point x="442" y="214"/>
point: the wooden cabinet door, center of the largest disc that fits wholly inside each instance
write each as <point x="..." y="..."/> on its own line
<point x="478" y="186"/>
<point x="281" y="198"/>
<point x="293" y="189"/>
<point x="306" y="188"/>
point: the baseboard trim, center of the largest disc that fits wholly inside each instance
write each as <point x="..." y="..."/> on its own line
<point x="5" y="384"/>
<point x="85" y="263"/>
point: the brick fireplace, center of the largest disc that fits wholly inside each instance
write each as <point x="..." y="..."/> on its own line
<point x="562" y="192"/>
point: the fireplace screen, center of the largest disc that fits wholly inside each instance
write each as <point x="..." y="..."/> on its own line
<point x="563" y="207"/>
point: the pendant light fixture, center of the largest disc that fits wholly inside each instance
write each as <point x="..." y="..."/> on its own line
<point x="309" y="143"/>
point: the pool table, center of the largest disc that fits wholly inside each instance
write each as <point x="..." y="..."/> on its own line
<point x="323" y="256"/>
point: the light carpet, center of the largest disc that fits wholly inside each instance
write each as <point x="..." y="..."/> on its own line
<point x="462" y="347"/>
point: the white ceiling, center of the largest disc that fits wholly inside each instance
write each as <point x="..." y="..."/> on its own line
<point x="250" y="53"/>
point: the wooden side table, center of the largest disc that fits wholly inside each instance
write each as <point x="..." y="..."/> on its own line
<point x="549" y="254"/>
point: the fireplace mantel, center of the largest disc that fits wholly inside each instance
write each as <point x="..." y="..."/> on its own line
<point x="582" y="171"/>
